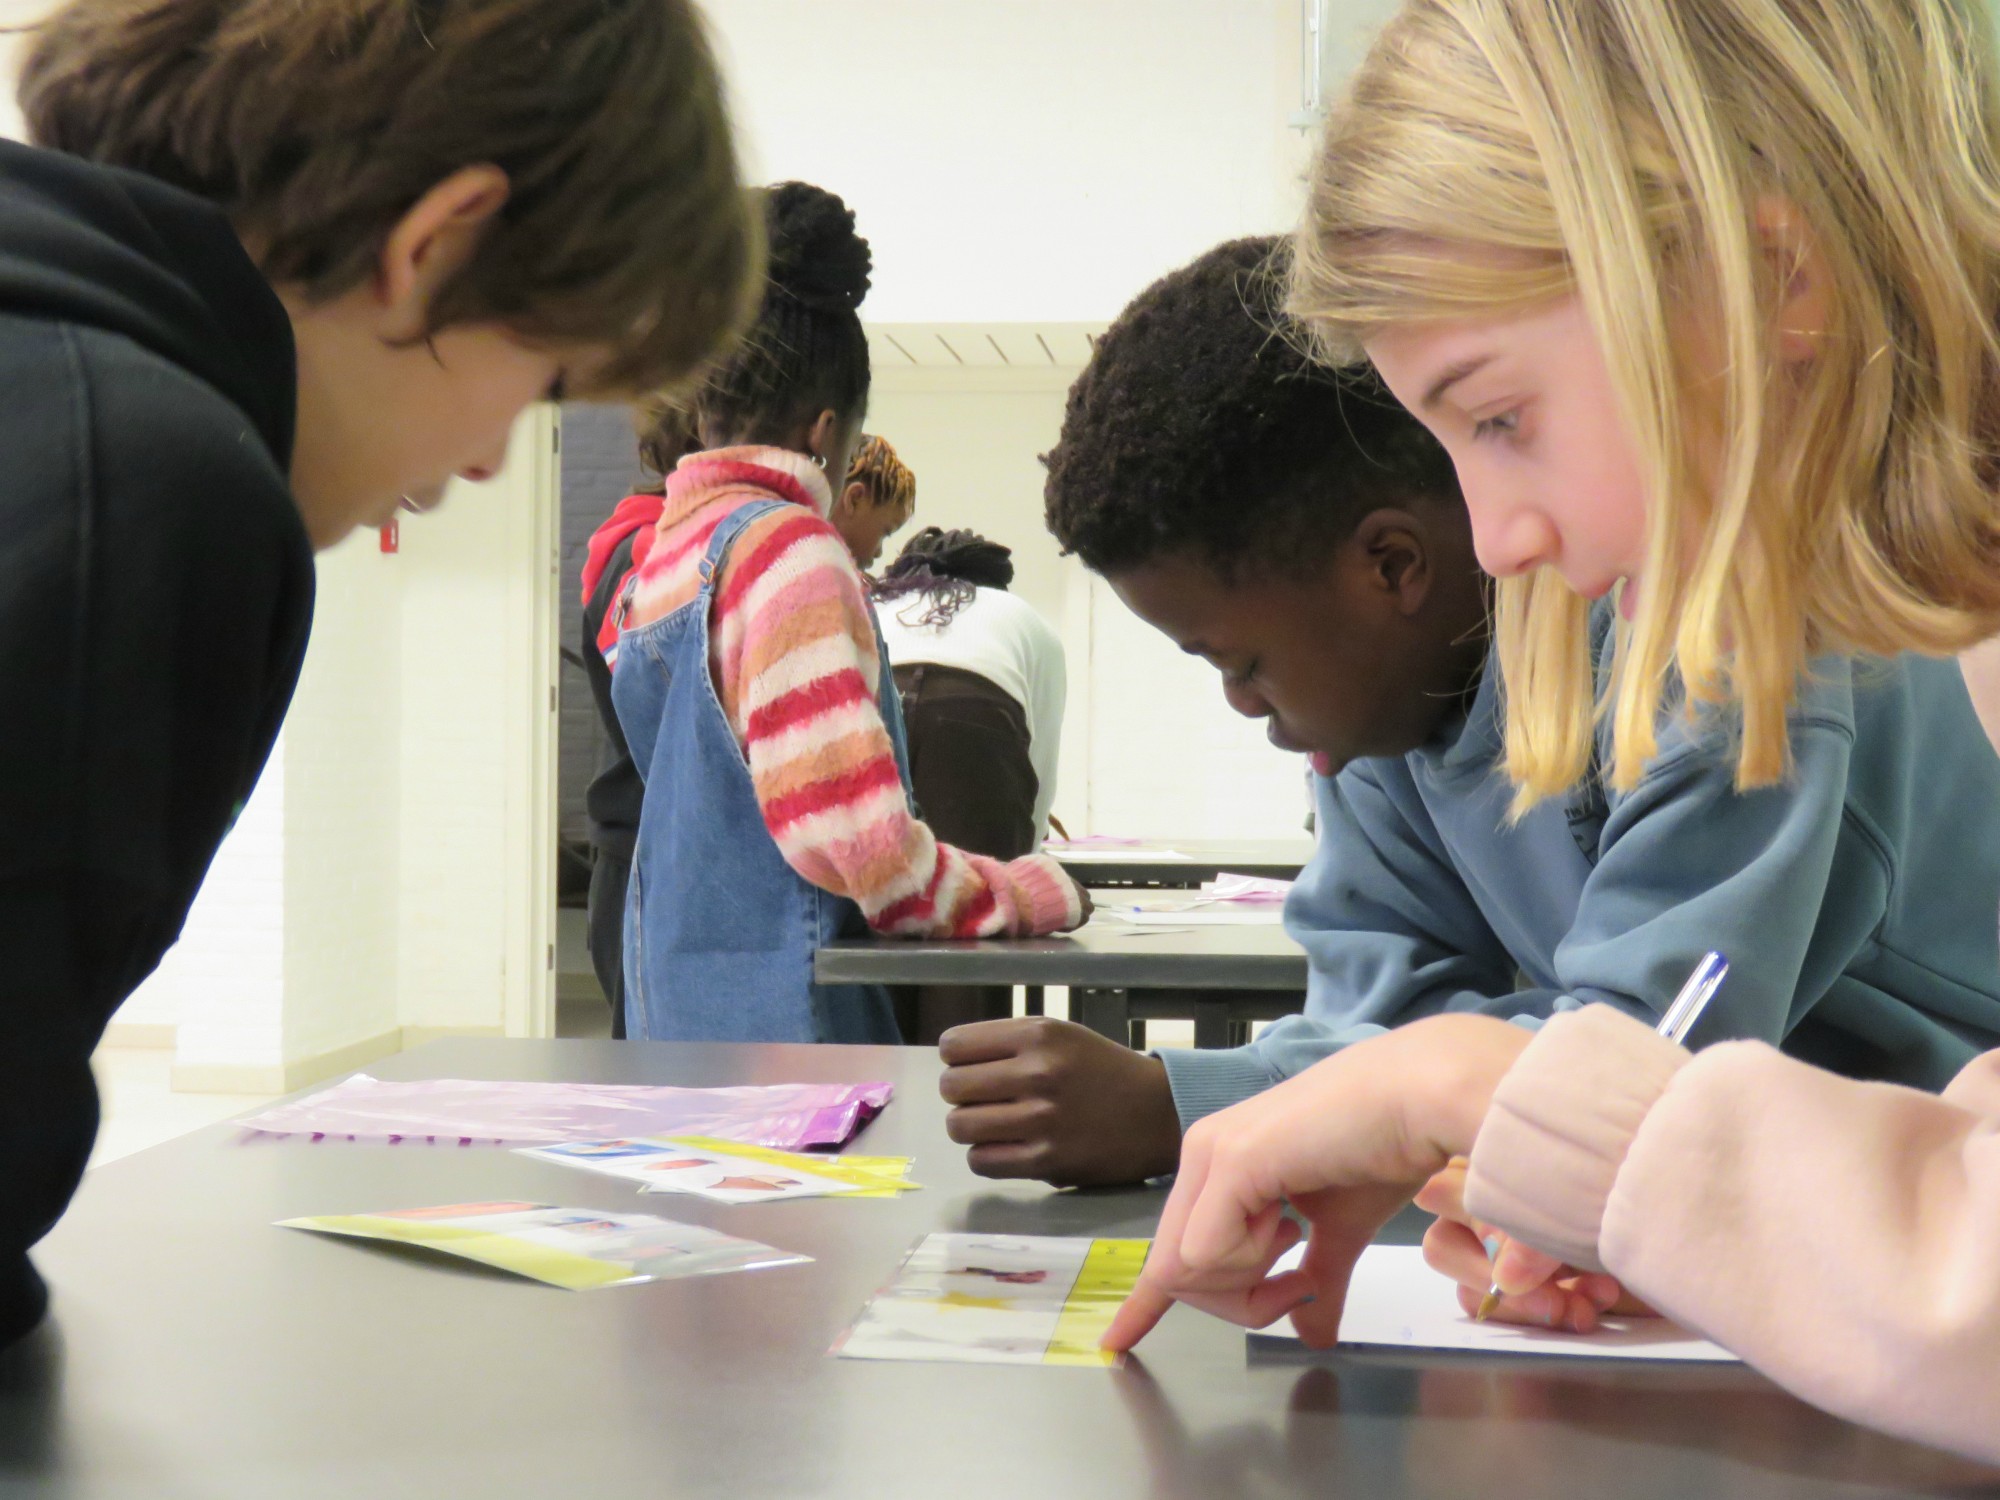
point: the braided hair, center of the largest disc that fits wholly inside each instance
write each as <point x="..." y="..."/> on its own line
<point x="666" y="433"/>
<point x="887" y="478"/>
<point x="806" y="352"/>
<point x="947" y="568"/>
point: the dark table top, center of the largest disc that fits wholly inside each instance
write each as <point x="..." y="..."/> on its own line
<point x="198" y="1353"/>
<point x="1279" y="859"/>
<point x="1101" y="955"/>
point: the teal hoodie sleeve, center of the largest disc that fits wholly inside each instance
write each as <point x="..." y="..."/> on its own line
<point x="1683" y="864"/>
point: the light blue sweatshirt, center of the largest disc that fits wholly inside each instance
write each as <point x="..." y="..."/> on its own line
<point x="1856" y="902"/>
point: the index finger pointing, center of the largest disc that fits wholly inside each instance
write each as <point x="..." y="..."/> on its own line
<point x="1136" y="1317"/>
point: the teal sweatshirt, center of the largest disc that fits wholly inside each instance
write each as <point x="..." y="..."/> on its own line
<point x="1856" y="902"/>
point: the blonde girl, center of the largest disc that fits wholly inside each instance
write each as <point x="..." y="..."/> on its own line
<point x="1700" y="296"/>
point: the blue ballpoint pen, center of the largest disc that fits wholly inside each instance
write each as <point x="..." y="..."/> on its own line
<point x="1674" y="1026"/>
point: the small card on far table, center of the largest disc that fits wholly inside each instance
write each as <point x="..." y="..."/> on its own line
<point x="999" y="1299"/>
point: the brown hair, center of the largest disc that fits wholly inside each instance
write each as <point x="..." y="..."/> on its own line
<point x="887" y="477"/>
<point x="316" y="124"/>
<point x="666" y="432"/>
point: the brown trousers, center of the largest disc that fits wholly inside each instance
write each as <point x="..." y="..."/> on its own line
<point x="975" y="786"/>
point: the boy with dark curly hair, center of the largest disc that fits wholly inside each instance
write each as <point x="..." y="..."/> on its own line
<point x="1303" y="533"/>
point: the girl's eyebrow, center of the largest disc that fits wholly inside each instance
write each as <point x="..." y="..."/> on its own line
<point x="1452" y="376"/>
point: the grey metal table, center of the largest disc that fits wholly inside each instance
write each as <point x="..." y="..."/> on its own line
<point x="1120" y="976"/>
<point x="1139" y="865"/>
<point x="200" y="1354"/>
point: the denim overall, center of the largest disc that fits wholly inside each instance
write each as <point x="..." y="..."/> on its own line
<point x="719" y="930"/>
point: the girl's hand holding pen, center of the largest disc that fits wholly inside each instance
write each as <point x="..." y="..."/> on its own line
<point x="1522" y="1285"/>
<point x="1537" y="1289"/>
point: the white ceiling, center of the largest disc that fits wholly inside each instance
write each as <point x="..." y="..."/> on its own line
<point x="982" y="346"/>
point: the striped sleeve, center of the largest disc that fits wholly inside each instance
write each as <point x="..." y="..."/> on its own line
<point x="796" y="661"/>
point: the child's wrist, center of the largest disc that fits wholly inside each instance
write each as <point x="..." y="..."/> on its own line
<point x="1460" y="1061"/>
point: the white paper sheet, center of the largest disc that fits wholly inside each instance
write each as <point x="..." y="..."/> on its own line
<point x="1397" y="1301"/>
<point x="1189" y="915"/>
<point x="1132" y="856"/>
<point x="1005" y="1299"/>
<point x="666" y="1166"/>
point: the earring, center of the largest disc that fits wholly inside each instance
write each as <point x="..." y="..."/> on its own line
<point x="819" y="460"/>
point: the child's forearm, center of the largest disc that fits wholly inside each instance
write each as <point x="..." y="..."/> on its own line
<point x="826" y="778"/>
<point x="1842" y="1237"/>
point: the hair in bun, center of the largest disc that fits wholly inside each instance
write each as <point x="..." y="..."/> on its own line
<point x="816" y="257"/>
<point x="806" y="353"/>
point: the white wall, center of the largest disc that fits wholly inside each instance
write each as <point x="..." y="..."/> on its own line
<point x="1024" y="160"/>
<point x="975" y="445"/>
<point x="1149" y="746"/>
<point x="344" y="808"/>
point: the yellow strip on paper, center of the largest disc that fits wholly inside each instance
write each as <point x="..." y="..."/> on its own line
<point x="881" y="1176"/>
<point x="576" y="1273"/>
<point x="1110" y="1270"/>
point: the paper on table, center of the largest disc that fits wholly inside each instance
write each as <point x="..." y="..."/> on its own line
<point x="1253" y="889"/>
<point x="785" y="1116"/>
<point x="999" y="1299"/>
<point x="1395" y="1300"/>
<point x="871" y="1176"/>
<point x="1190" y="913"/>
<point x="1125" y="856"/>
<point x="667" y="1167"/>
<point x="578" y="1249"/>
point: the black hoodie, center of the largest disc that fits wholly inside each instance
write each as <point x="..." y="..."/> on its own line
<point x="155" y="595"/>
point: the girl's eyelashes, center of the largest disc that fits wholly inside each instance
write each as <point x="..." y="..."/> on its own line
<point x="1504" y="425"/>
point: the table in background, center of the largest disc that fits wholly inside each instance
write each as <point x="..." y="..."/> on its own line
<point x="1140" y="864"/>
<point x="1119" y="975"/>
<point x="199" y="1353"/>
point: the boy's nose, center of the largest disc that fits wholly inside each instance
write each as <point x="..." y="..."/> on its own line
<point x="1246" y="700"/>
<point x="487" y="466"/>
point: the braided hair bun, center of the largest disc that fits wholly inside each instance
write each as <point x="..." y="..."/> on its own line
<point x="816" y="257"/>
<point x="806" y="353"/>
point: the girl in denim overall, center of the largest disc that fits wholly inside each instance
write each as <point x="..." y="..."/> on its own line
<point x="752" y="687"/>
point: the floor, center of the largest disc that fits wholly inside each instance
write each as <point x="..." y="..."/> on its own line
<point x="140" y="1107"/>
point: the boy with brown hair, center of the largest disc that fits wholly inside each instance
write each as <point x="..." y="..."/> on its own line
<point x="287" y="267"/>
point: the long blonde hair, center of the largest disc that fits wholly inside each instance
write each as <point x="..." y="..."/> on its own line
<point x="1493" y="154"/>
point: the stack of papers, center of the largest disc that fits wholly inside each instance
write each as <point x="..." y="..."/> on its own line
<point x="725" y="1172"/>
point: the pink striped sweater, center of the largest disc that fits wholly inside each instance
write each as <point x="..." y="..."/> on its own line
<point x="793" y="654"/>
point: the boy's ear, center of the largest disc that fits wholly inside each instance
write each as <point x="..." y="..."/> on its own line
<point x="433" y="240"/>
<point x="1397" y="559"/>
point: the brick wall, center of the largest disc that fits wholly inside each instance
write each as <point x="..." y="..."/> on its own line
<point x="600" y="467"/>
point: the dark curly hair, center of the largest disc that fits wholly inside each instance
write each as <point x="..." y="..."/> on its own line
<point x="806" y="352"/>
<point x="1201" y="430"/>
<point x="947" y="568"/>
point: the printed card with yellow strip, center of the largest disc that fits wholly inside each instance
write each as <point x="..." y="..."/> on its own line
<point x="729" y="1172"/>
<point x="999" y="1299"/>
<point x="579" y="1249"/>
